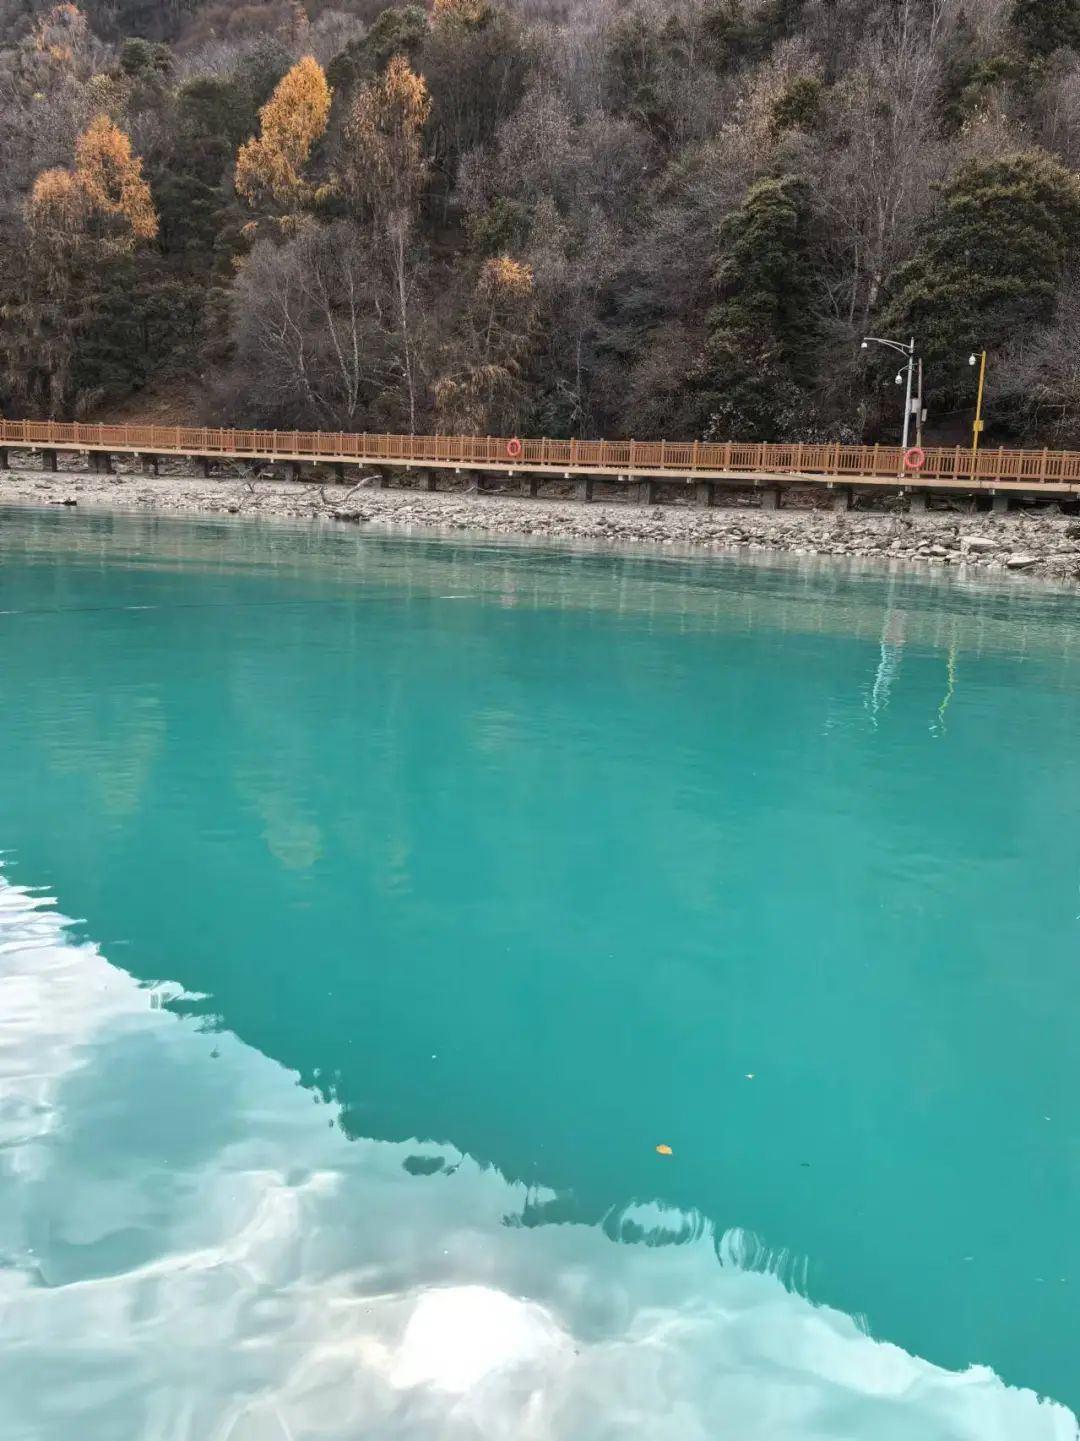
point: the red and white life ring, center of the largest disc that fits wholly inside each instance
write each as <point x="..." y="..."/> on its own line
<point x="915" y="458"/>
<point x="513" y="448"/>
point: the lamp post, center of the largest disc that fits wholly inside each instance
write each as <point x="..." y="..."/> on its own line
<point x="909" y="351"/>
<point x="977" y="429"/>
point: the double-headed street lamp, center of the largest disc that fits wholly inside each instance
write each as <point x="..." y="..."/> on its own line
<point x="909" y="351"/>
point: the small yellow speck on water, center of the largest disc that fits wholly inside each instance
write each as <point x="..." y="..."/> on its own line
<point x="664" y="1150"/>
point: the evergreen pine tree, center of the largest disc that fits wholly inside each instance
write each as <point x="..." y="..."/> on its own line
<point x="763" y="331"/>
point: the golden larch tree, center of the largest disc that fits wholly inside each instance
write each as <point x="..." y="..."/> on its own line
<point x="460" y="12"/>
<point x="81" y="222"/>
<point x="59" y="35"/>
<point x="270" y="166"/>
<point x="383" y="175"/>
<point x="385" y="165"/>
<point x="57" y="204"/>
<point x="481" y="381"/>
<point x="104" y="196"/>
<point x="111" y="174"/>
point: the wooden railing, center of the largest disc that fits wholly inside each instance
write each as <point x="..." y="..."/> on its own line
<point x="685" y="460"/>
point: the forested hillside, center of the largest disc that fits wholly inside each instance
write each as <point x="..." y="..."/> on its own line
<point x="570" y="217"/>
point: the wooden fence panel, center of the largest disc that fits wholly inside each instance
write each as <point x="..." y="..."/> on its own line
<point x="955" y="464"/>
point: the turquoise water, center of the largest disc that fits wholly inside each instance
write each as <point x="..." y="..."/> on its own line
<point x="372" y="908"/>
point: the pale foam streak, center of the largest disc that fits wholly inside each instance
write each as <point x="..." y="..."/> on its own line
<point x="274" y="1280"/>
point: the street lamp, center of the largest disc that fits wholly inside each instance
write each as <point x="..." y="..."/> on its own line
<point x="980" y="361"/>
<point x="909" y="351"/>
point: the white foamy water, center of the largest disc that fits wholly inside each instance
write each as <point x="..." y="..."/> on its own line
<point x="190" y="1250"/>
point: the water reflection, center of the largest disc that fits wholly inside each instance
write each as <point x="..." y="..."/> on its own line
<point x="322" y="565"/>
<point x="289" y="1283"/>
<point x="518" y="893"/>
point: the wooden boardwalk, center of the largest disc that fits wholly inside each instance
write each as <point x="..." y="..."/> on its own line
<point x="1048" y="473"/>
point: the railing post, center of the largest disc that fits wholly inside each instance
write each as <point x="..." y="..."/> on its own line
<point x="630" y="462"/>
<point x="695" y="450"/>
<point x="1042" y="467"/>
<point x="836" y="458"/>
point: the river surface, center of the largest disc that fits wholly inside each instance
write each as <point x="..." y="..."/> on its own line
<point x="372" y="909"/>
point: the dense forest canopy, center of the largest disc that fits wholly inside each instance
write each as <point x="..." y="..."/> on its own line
<point x="658" y="218"/>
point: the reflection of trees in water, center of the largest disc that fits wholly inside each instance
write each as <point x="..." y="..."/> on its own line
<point x="109" y="739"/>
<point x="799" y="594"/>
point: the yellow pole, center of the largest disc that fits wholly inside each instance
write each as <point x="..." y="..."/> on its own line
<point x="978" y="428"/>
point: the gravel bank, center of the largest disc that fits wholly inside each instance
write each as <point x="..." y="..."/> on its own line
<point x="1025" y="544"/>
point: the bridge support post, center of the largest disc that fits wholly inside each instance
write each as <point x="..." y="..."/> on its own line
<point x="770" y="498"/>
<point x="339" y="471"/>
<point x="103" y="462"/>
<point x="918" y="502"/>
<point x="646" y="492"/>
<point x="842" y="498"/>
<point x="151" y="464"/>
<point x="427" y="479"/>
<point x="703" y="494"/>
<point x="583" y="488"/>
<point x="294" y="469"/>
<point x="999" y="503"/>
<point x="50" y="460"/>
<point x="4" y="461"/>
<point x="530" y="486"/>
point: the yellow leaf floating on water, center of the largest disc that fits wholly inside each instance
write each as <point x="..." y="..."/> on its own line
<point x="664" y="1150"/>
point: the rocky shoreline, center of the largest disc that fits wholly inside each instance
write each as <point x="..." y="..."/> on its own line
<point x="1022" y="543"/>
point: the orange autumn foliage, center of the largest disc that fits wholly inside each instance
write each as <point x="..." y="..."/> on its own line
<point x="270" y="166"/>
<point x="505" y="280"/>
<point x="385" y="165"/>
<point x="58" y="33"/>
<point x="112" y="176"/>
<point x="57" y="202"/>
<point x="105" y="190"/>
<point x="480" y="384"/>
<point x="460" y="12"/>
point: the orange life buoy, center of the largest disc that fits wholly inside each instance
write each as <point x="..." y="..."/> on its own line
<point x="915" y="458"/>
<point x="513" y="448"/>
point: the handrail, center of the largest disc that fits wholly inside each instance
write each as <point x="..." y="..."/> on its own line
<point x="656" y="459"/>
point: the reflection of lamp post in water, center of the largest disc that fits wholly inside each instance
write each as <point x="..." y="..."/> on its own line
<point x="950" y="672"/>
<point x="893" y="635"/>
